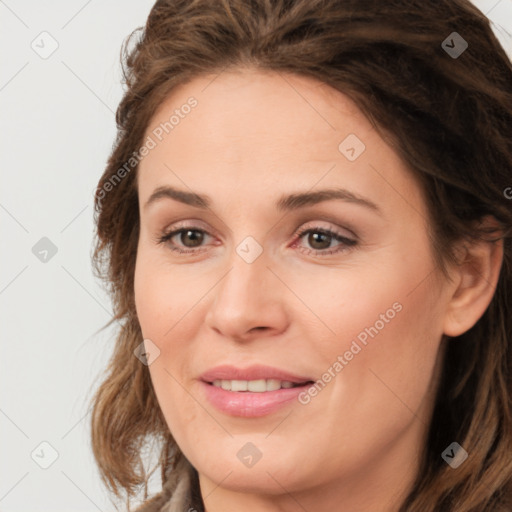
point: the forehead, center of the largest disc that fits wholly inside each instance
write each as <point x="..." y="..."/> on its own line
<point x="249" y="106"/>
<point x="252" y="131"/>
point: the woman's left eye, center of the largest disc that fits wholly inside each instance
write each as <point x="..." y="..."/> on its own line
<point x="320" y="240"/>
<point x="317" y="238"/>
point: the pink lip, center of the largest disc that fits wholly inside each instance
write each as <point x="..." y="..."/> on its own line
<point x="246" y="403"/>
<point x="255" y="372"/>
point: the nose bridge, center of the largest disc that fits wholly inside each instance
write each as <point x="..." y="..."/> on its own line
<point x="247" y="296"/>
<point x="248" y="259"/>
<point x="246" y="283"/>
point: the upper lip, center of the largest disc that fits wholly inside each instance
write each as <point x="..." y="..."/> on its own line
<point x="254" y="372"/>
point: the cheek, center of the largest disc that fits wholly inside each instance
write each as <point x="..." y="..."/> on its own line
<point x="395" y="367"/>
<point x="388" y="326"/>
<point x="160" y="306"/>
<point x="161" y="299"/>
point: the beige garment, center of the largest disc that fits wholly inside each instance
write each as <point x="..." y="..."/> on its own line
<point x="177" y="492"/>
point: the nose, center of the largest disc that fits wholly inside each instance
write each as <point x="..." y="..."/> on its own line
<point x="248" y="302"/>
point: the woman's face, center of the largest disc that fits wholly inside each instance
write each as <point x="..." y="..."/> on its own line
<point x="307" y="260"/>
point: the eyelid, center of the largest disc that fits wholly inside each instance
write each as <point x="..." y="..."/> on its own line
<point x="331" y="227"/>
<point x="348" y="241"/>
<point x="193" y="224"/>
<point x="167" y="234"/>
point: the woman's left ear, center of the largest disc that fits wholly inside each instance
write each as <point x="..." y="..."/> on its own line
<point x="475" y="280"/>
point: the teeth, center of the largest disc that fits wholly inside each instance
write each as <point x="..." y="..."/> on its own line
<point x="257" y="386"/>
<point x="273" y="384"/>
<point x="239" y="385"/>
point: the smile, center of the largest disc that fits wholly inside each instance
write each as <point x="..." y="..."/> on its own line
<point x="256" y="386"/>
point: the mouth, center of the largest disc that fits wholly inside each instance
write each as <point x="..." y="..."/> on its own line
<point x="257" y="378"/>
<point x="256" y="386"/>
<point x="252" y="392"/>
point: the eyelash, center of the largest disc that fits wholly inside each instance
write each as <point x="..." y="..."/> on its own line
<point x="348" y="243"/>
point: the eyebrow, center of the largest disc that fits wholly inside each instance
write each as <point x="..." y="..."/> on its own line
<point x="285" y="203"/>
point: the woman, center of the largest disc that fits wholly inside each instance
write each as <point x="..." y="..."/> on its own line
<point x="306" y="226"/>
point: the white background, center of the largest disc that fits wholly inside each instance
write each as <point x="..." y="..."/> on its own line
<point x="57" y="128"/>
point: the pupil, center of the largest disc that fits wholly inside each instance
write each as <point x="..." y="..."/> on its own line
<point x="195" y="236"/>
<point x="313" y="239"/>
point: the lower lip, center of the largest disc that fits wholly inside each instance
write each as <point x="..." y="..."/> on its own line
<point x="250" y="404"/>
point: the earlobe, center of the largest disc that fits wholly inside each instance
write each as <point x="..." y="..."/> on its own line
<point x="475" y="282"/>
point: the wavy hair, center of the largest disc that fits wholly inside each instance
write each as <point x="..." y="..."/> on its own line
<point x="450" y="120"/>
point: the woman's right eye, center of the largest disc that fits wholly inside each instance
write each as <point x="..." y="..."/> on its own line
<point x="190" y="237"/>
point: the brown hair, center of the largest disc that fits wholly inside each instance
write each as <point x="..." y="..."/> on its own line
<point x="450" y="119"/>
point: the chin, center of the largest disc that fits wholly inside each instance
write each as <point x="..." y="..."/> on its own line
<point x="264" y="479"/>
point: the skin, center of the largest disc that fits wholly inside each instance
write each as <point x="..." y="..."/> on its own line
<point x="253" y="137"/>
